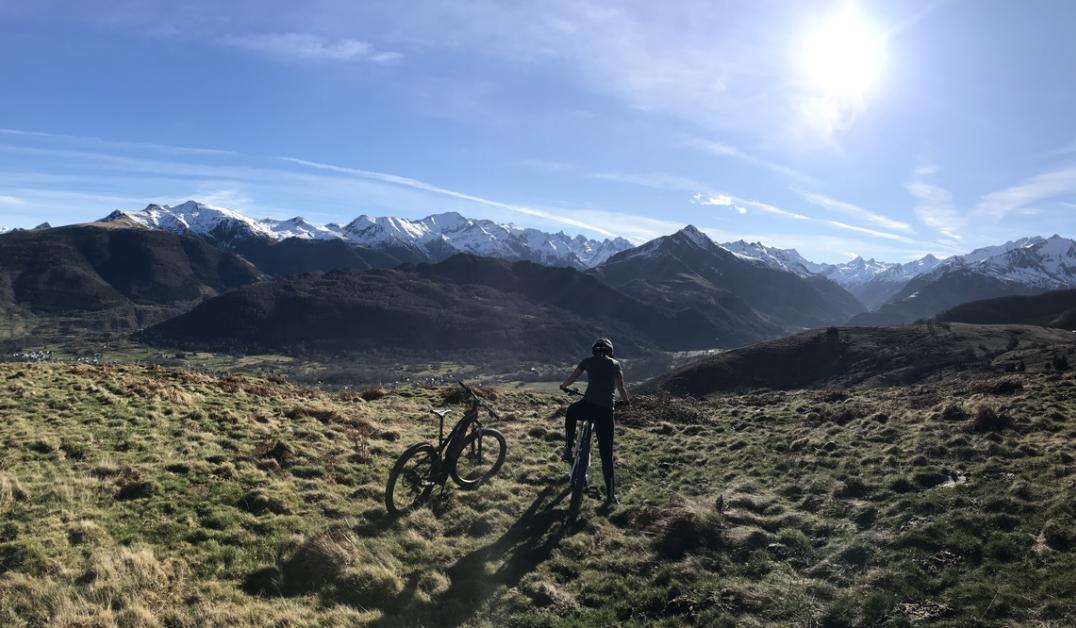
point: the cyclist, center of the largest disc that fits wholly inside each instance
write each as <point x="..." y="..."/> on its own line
<point x="604" y="378"/>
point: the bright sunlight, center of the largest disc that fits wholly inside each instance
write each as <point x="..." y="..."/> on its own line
<point x="842" y="56"/>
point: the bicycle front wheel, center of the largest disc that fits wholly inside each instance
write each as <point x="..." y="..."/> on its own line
<point x="411" y="479"/>
<point x="579" y="472"/>
<point x="480" y="457"/>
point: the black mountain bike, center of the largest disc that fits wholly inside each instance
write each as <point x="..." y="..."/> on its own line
<point x="471" y="454"/>
<point x="579" y="476"/>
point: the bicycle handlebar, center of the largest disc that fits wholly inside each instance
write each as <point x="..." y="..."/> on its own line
<point x="573" y="391"/>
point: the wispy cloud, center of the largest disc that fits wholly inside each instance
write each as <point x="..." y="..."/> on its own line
<point x="426" y="187"/>
<point x="81" y="139"/>
<point x="727" y="150"/>
<point x="855" y="211"/>
<point x="1043" y="187"/>
<point x="11" y="200"/>
<point x="934" y="206"/>
<point x="309" y="47"/>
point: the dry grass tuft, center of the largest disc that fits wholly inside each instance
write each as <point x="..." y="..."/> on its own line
<point x="689" y="527"/>
<point x="11" y="491"/>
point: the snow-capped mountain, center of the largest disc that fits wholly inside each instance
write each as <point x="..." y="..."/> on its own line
<point x="432" y="238"/>
<point x="1036" y="262"/>
<point x="781" y="259"/>
<point x="860" y="271"/>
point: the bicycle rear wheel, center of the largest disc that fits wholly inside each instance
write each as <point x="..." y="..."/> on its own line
<point x="480" y="457"/>
<point x="580" y="469"/>
<point x="411" y="479"/>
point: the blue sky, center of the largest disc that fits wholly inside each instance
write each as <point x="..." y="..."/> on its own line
<point x="627" y="118"/>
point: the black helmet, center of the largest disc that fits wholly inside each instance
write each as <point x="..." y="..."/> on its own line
<point x="602" y="346"/>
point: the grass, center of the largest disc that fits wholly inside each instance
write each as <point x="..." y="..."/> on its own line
<point x="139" y="496"/>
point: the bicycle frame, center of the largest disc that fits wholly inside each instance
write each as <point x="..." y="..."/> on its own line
<point x="451" y="446"/>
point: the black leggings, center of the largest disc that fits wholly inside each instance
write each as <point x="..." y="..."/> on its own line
<point x="603" y="426"/>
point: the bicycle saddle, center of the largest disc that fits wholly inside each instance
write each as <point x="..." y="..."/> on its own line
<point x="441" y="413"/>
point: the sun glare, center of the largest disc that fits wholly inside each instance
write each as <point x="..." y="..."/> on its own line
<point x="842" y="56"/>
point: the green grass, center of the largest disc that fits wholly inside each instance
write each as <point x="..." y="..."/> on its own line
<point x="141" y="496"/>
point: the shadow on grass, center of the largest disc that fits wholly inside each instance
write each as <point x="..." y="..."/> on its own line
<point x="529" y="542"/>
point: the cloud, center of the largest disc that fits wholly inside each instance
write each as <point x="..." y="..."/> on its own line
<point x="855" y="211"/>
<point x="426" y="187"/>
<point x="80" y="139"/>
<point x="11" y="200"/>
<point x="721" y="200"/>
<point x="934" y="206"/>
<point x="873" y="232"/>
<point x="1043" y="187"/>
<point x="727" y="150"/>
<point x="308" y="47"/>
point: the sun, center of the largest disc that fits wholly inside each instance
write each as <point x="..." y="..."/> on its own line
<point x="842" y="56"/>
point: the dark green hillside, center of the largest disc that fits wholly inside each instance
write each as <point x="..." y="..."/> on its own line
<point x="869" y="356"/>
<point x="1055" y="309"/>
<point x="466" y="304"/>
<point x="91" y="268"/>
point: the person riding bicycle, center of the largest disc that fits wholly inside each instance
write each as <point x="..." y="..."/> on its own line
<point x="604" y="378"/>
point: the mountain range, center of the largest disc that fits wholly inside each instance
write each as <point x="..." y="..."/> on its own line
<point x="682" y="291"/>
<point x="678" y="292"/>
<point x="902" y="293"/>
<point x="130" y="277"/>
<point x="394" y="240"/>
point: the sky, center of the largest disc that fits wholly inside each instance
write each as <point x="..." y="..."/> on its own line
<point x="883" y="129"/>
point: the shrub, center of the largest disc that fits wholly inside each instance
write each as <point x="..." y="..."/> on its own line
<point x="988" y="420"/>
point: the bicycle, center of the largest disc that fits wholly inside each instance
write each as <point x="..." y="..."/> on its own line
<point x="579" y="476"/>
<point x="461" y="456"/>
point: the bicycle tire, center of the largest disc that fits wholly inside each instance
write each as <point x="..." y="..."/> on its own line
<point x="423" y="482"/>
<point x="579" y="472"/>
<point x="502" y="450"/>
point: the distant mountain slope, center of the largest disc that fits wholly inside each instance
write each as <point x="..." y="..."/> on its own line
<point x="87" y="268"/>
<point x="864" y="356"/>
<point x="746" y="300"/>
<point x="380" y="240"/>
<point x="928" y="295"/>
<point x="465" y="303"/>
<point x="1054" y="309"/>
<point x="870" y="281"/>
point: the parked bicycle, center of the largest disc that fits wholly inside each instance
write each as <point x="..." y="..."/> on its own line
<point x="470" y="454"/>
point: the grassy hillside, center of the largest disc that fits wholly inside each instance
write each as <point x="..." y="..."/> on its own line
<point x="871" y="356"/>
<point x="142" y="497"/>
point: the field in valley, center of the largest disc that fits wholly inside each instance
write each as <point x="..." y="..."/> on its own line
<point x="141" y="496"/>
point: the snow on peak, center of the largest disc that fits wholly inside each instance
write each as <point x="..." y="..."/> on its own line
<point x="434" y="237"/>
<point x="696" y="237"/>
<point x="782" y="259"/>
<point x="1045" y="263"/>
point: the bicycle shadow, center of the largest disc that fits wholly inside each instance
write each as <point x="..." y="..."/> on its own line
<point x="529" y="542"/>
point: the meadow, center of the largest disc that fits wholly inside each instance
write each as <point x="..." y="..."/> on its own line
<point x="148" y="496"/>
